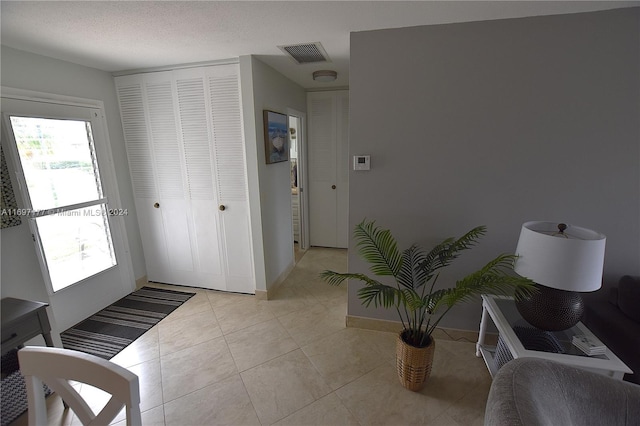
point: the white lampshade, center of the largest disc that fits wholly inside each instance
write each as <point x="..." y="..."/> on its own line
<point x="571" y="260"/>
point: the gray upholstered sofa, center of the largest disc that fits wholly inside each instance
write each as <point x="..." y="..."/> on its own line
<point x="530" y="392"/>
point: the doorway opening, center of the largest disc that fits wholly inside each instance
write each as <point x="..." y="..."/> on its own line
<point x="298" y="201"/>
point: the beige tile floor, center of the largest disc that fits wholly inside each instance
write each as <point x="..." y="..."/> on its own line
<point x="228" y="359"/>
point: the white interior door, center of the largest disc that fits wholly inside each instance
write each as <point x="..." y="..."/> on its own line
<point x="322" y="169"/>
<point x="230" y="168"/>
<point x="200" y="198"/>
<point x="328" y="168"/>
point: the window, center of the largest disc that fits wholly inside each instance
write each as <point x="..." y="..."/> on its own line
<point x="64" y="197"/>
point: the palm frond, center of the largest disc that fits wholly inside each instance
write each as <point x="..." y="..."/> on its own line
<point x="434" y="300"/>
<point x="428" y="265"/>
<point x="380" y="294"/>
<point x="411" y="275"/>
<point x="492" y="278"/>
<point x="337" y="278"/>
<point x="413" y="300"/>
<point x="525" y="292"/>
<point x="448" y="250"/>
<point x="378" y="247"/>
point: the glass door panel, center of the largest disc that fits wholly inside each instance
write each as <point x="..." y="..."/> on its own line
<point x="64" y="190"/>
<point x="76" y="244"/>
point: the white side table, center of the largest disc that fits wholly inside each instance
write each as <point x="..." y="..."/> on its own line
<point x="504" y="314"/>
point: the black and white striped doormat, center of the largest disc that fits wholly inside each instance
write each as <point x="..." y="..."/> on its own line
<point x="118" y="325"/>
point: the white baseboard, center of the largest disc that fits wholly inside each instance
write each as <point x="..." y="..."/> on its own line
<point x="441" y="333"/>
<point x="141" y="282"/>
<point x="271" y="291"/>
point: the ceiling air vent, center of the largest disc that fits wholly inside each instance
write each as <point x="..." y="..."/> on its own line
<point x="306" y="53"/>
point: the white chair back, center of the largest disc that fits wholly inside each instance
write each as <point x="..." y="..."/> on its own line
<point x="55" y="367"/>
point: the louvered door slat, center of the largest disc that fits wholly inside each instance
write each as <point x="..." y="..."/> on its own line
<point x="195" y="138"/>
<point x="227" y="133"/>
<point x="138" y="148"/>
<point x="165" y="140"/>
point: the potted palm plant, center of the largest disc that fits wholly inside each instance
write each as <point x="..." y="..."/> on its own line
<point x="419" y="304"/>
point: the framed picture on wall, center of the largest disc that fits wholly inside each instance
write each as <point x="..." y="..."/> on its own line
<point x="276" y="137"/>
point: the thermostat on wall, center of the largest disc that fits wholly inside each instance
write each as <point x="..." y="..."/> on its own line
<point x="361" y="162"/>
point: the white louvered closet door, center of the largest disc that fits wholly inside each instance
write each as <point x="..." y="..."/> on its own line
<point x="184" y="179"/>
<point x="328" y="152"/>
<point x="225" y="116"/>
<point x="134" y="110"/>
<point x="205" y="242"/>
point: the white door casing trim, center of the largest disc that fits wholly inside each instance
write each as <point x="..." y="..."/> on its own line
<point x="302" y="177"/>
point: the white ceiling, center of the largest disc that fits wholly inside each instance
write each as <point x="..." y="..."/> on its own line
<point x="126" y="35"/>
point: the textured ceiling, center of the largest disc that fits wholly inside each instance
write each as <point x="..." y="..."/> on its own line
<point x="125" y="35"/>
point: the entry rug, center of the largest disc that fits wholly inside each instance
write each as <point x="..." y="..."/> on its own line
<point x="115" y="327"/>
<point x="14" y="390"/>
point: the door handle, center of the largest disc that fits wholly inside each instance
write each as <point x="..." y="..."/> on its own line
<point x="333" y="187"/>
<point x="222" y="207"/>
<point x="156" y="205"/>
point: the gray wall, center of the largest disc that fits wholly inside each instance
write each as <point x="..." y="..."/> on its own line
<point x="498" y="123"/>
<point x="272" y="91"/>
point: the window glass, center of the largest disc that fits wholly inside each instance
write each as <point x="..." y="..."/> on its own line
<point x="57" y="161"/>
<point x="76" y="244"/>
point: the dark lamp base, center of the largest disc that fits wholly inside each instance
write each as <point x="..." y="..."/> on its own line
<point x="551" y="309"/>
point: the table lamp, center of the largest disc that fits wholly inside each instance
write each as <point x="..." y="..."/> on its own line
<point x="563" y="261"/>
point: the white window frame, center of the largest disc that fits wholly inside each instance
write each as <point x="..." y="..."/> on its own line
<point x="107" y="175"/>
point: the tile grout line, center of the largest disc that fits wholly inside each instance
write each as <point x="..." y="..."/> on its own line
<point x="244" y="386"/>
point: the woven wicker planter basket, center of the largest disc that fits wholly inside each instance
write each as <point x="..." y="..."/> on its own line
<point x="413" y="364"/>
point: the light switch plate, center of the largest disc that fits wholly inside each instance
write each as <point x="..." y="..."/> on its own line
<point x="361" y="162"/>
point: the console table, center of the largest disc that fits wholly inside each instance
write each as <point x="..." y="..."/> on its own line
<point x="503" y="312"/>
<point x="23" y="320"/>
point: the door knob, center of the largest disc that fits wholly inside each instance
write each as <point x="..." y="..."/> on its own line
<point x="156" y="205"/>
<point x="222" y="207"/>
<point x="333" y="187"/>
